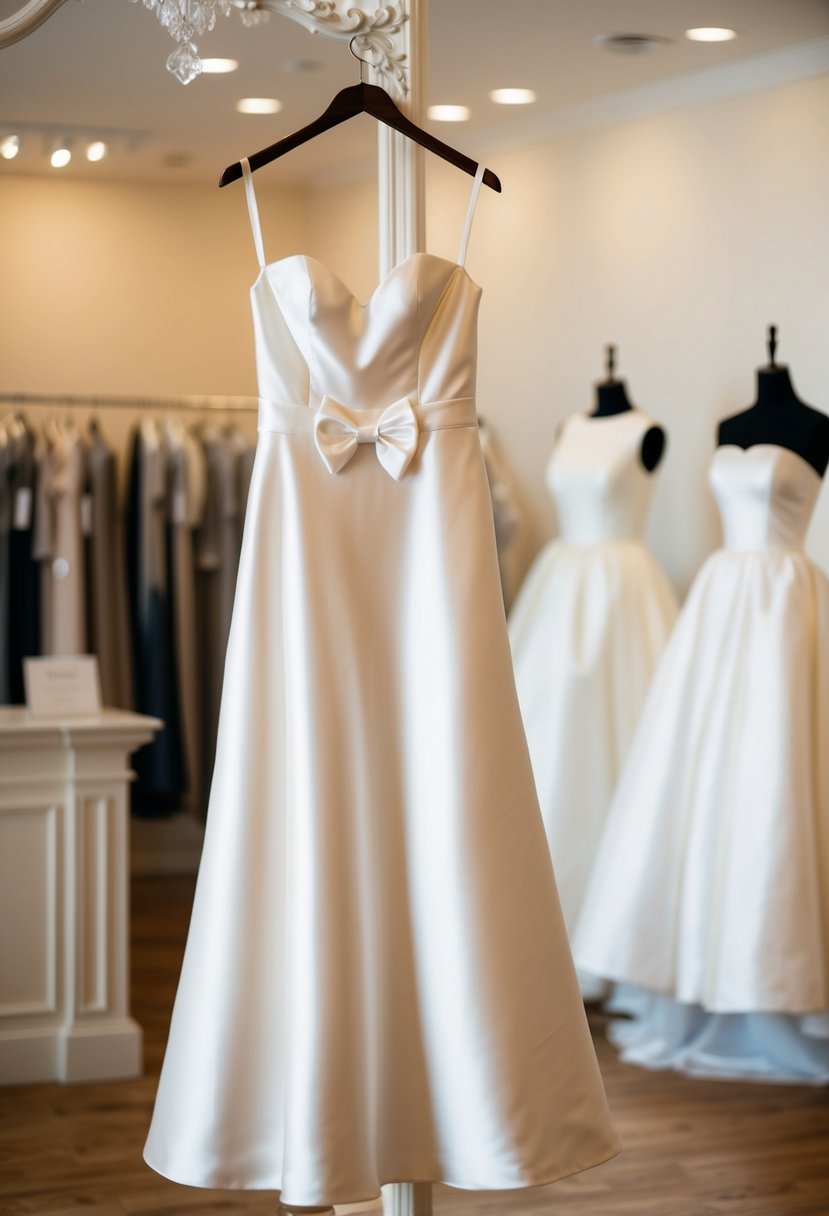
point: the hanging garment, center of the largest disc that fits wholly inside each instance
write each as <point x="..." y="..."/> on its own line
<point x="20" y="591"/>
<point x="377" y="983"/>
<point x="43" y="531"/>
<point x="62" y="549"/>
<point x="106" y="576"/>
<point x="218" y="543"/>
<point x="186" y="504"/>
<point x="506" y="513"/>
<point x="711" y="885"/>
<point x="587" y="629"/>
<point x="159" y="786"/>
<point x="6" y="509"/>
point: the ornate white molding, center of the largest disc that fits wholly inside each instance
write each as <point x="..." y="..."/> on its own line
<point x="376" y="33"/>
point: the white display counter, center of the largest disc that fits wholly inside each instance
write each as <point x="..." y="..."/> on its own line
<point x="64" y="898"/>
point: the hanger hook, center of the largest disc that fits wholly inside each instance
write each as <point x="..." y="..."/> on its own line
<point x="771" y="344"/>
<point x="364" y="63"/>
<point x="610" y="361"/>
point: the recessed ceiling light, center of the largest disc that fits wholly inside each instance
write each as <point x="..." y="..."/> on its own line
<point x="9" y="147"/>
<point x="97" y="150"/>
<point x="512" y="97"/>
<point x="711" y="33"/>
<point x="448" y="113"/>
<point x="60" y="158"/>
<point x="258" y="105"/>
<point x="218" y="67"/>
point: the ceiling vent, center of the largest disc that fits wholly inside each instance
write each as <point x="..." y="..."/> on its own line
<point x="631" y="44"/>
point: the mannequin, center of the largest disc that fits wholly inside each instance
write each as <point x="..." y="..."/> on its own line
<point x="587" y="629"/>
<point x="612" y="398"/>
<point x="779" y="417"/>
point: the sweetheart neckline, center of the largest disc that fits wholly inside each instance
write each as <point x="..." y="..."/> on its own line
<point x="309" y="257"/>
<point x="777" y="447"/>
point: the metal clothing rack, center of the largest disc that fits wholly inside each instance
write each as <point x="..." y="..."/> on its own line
<point x="193" y="403"/>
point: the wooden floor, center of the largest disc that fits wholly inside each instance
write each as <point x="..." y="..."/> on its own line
<point x="692" y="1148"/>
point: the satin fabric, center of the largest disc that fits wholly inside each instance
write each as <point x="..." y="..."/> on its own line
<point x="377" y="984"/>
<point x="587" y="629"/>
<point x="712" y="881"/>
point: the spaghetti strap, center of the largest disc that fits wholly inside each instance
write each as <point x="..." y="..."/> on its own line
<point x="467" y="228"/>
<point x="253" y="211"/>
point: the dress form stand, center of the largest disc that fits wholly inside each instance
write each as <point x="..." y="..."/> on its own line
<point x="779" y="417"/>
<point x="612" y="398"/>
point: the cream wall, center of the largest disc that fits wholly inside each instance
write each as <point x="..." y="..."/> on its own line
<point x="679" y="237"/>
<point x="130" y="289"/>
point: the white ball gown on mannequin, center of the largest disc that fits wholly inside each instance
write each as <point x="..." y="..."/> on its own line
<point x="711" y="887"/>
<point x="377" y="984"/>
<point x="588" y="626"/>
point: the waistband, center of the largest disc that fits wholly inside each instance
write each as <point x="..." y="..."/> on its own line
<point x="286" y="419"/>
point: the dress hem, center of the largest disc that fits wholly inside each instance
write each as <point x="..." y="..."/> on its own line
<point x="316" y="1201"/>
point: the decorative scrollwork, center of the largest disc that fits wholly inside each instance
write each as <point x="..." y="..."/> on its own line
<point x="375" y="34"/>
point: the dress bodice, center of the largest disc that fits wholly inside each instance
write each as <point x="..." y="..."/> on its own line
<point x="601" y="489"/>
<point x="766" y="495"/>
<point x="416" y="336"/>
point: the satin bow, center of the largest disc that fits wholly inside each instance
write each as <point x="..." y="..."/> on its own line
<point x="393" y="431"/>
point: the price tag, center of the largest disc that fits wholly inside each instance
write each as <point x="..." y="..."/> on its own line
<point x="62" y="687"/>
<point x="23" y="509"/>
<point x="86" y="515"/>
<point x="179" y="506"/>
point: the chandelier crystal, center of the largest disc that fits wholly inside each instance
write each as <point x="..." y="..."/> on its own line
<point x="187" y="20"/>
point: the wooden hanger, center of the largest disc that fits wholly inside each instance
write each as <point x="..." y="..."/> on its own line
<point x="357" y="99"/>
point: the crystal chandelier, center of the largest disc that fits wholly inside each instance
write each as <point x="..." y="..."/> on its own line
<point x="186" y="20"/>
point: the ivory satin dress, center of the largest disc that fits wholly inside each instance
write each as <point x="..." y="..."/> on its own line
<point x="587" y="629"/>
<point x="711" y="887"/>
<point x="377" y="984"/>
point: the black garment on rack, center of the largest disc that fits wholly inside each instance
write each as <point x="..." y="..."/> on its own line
<point x="23" y="575"/>
<point x="157" y="792"/>
<point x="106" y="598"/>
<point x="217" y="542"/>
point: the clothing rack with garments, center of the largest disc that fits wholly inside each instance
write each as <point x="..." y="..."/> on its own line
<point x="123" y="541"/>
<point x="231" y="404"/>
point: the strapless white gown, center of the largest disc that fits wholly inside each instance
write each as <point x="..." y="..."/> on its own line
<point x="711" y="887"/>
<point x="377" y="983"/>
<point x="588" y="626"/>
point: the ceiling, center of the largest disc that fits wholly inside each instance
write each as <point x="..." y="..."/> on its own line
<point x="98" y="66"/>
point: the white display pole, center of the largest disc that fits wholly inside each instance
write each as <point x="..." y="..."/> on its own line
<point x="400" y="162"/>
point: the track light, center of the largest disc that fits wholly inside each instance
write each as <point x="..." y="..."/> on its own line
<point x="97" y="150"/>
<point x="61" y="155"/>
<point x="9" y="147"/>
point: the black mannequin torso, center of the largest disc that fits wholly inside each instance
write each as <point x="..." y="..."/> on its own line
<point x="612" y="398"/>
<point x="779" y="417"/>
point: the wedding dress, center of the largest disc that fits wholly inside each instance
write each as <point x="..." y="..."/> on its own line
<point x="711" y="886"/>
<point x="377" y="983"/>
<point x="587" y="629"/>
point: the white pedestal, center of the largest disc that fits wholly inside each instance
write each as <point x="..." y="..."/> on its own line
<point x="64" y="913"/>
